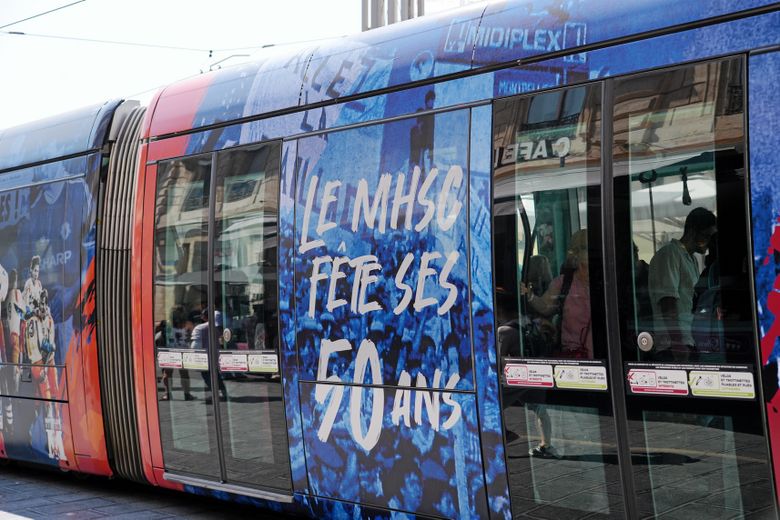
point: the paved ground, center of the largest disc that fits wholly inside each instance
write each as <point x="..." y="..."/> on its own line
<point x="686" y="467"/>
<point x="32" y="492"/>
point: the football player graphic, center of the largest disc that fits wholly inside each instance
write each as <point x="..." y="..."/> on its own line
<point x="33" y="286"/>
<point x="4" y="377"/>
<point x="14" y="313"/>
<point x="40" y="343"/>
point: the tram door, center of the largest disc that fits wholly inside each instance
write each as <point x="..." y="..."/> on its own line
<point x="561" y="443"/>
<point x="653" y="408"/>
<point x="687" y="327"/>
<point x="216" y="310"/>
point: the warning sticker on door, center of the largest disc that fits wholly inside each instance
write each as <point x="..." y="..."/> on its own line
<point x="581" y="377"/>
<point x="233" y="363"/>
<point x="692" y="380"/>
<point x="196" y="360"/>
<point x="263" y="363"/>
<point x="168" y="359"/>
<point x="529" y="375"/>
<point x="722" y="384"/>
<point x="656" y="381"/>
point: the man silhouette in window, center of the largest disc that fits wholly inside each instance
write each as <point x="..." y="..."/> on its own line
<point x="672" y="280"/>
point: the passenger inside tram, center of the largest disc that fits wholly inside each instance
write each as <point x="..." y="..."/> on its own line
<point x="568" y="298"/>
<point x="674" y="274"/>
<point x="566" y="301"/>
<point x="641" y="287"/>
<point x="708" y="310"/>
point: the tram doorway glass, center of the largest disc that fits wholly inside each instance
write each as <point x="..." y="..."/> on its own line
<point x="682" y="431"/>
<point x="687" y="326"/>
<point x="254" y="431"/>
<point x="551" y="329"/>
<point x="216" y="312"/>
<point x="187" y="427"/>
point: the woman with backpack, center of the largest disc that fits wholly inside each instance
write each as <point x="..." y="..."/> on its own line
<point x="568" y="298"/>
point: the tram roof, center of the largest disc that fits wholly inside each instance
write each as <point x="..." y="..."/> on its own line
<point x="418" y="50"/>
<point x="64" y="135"/>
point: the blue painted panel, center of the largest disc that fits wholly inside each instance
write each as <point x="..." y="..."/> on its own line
<point x="256" y="88"/>
<point x="522" y="29"/>
<point x="347" y="66"/>
<point x="764" y="120"/>
<point x="530" y="78"/>
<point x="367" y="62"/>
<point x="657" y="52"/>
<point x="224" y="99"/>
<point x="277" y="82"/>
<point x="433" y="47"/>
<point x="287" y="319"/>
<point x="485" y="356"/>
<point x="415" y="50"/>
<point x="405" y="102"/>
<point x="391" y="199"/>
<point x="708" y="42"/>
<point x="66" y="134"/>
<point x="273" y="83"/>
<point x="431" y="467"/>
<point x="764" y="132"/>
<point x="418" y="327"/>
<point x="42" y="174"/>
<point x="439" y="95"/>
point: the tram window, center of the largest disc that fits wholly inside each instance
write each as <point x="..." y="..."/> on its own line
<point x="544" y="109"/>
<point x="180" y="300"/>
<point x="182" y="248"/>
<point x="680" y="196"/>
<point x="245" y="248"/>
<point x="546" y="211"/>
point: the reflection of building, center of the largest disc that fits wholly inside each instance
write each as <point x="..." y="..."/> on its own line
<point x="660" y="141"/>
<point x="183" y="265"/>
<point x="243" y="257"/>
<point x="552" y="149"/>
<point x="671" y="158"/>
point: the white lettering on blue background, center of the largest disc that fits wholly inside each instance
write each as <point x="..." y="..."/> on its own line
<point x="412" y="279"/>
<point x="463" y="37"/>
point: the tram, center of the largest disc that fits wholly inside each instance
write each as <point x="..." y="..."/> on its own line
<point x="518" y="260"/>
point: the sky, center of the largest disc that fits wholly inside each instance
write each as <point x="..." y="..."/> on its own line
<point x="43" y="75"/>
<point x="63" y="61"/>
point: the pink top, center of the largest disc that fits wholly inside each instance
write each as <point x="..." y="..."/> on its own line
<point x="576" y="330"/>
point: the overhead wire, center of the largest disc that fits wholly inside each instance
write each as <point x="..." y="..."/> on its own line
<point x="112" y="42"/>
<point x="42" y="14"/>
<point x="160" y="46"/>
<point x="142" y="44"/>
<point x="139" y="44"/>
<point x="296" y="42"/>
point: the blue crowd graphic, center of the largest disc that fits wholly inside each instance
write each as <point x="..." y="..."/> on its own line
<point x="381" y="305"/>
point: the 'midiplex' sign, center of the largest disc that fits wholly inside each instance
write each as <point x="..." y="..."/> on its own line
<point x="381" y="273"/>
